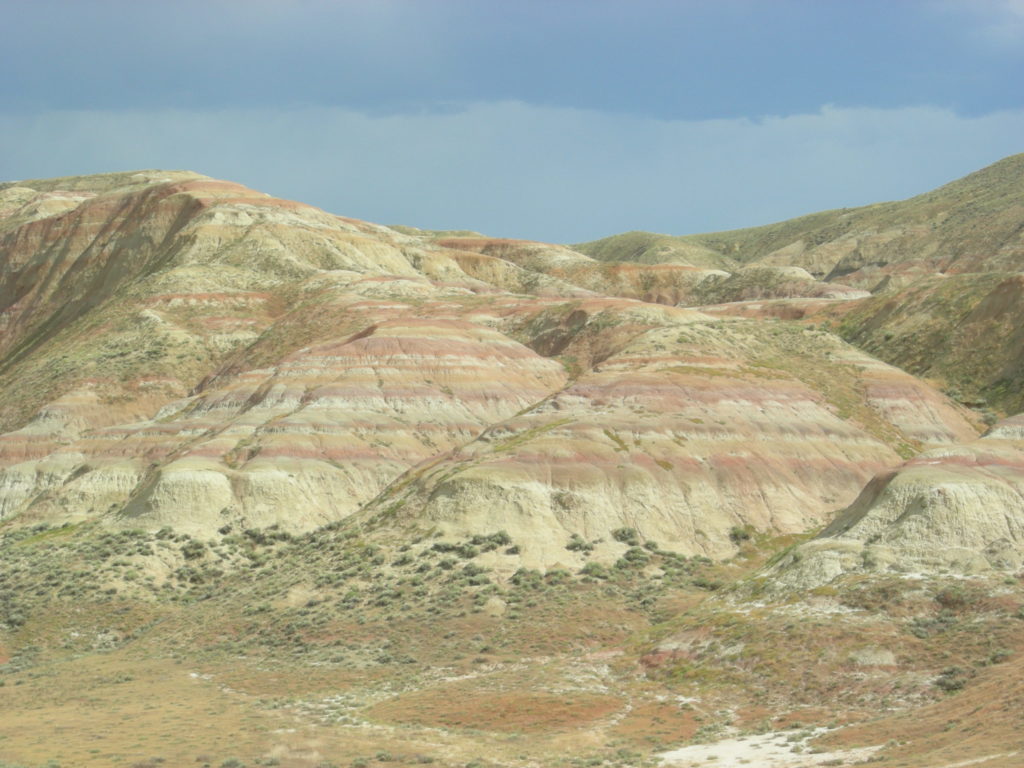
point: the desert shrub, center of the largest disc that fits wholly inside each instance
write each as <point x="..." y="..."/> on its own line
<point x="924" y="627"/>
<point x="739" y="534"/>
<point x="464" y="549"/>
<point x="626" y="536"/>
<point x="594" y="570"/>
<point x="578" y="544"/>
<point x="557" y="576"/>
<point x="193" y="549"/>
<point x="999" y="655"/>
<point x="634" y="557"/>
<point x="491" y="541"/>
<point x="705" y="583"/>
<point x="528" y="577"/>
<point x="952" y="679"/>
<point x="192" y="575"/>
<point x="953" y="598"/>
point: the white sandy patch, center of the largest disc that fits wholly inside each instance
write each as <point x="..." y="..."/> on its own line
<point x="770" y="750"/>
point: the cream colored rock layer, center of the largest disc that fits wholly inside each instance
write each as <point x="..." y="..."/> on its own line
<point x="958" y="509"/>
<point x="202" y="355"/>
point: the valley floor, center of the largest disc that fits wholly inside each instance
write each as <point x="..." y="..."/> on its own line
<point x="689" y="665"/>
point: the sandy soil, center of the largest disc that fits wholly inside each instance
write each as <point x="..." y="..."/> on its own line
<point x="770" y="750"/>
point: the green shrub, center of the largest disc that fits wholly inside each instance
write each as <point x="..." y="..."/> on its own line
<point x="193" y="549"/>
<point x="634" y="557"/>
<point x="953" y="598"/>
<point x="594" y="570"/>
<point x="557" y="576"/>
<point x="528" y="577"/>
<point x="491" y="541"/>
<point x="952" y="679"/>
<point x="626" y="536"/>
<point x="706" y="583"/>
<point x="578" y="544"/>
<point x="738" y="534"/>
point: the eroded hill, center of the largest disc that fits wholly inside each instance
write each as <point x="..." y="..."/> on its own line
<point x="287" y="488"/>
<point x="199" y="355"/>
<point x="970" y="225"/>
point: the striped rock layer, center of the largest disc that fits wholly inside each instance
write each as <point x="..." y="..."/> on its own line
<point x="184" y="352"/>
<point x="957" y="508"/>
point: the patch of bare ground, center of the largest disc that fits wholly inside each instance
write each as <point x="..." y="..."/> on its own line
<point x="515" y="711"/>
<point x="772" y="750"/>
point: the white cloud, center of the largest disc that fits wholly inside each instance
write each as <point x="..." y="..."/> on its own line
<point x="513" y="169"/>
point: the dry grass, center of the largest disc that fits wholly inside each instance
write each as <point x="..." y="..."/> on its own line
<point x="270" y="662"/>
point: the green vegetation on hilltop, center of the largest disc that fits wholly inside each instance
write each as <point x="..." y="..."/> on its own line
<point x="975" y="219"/>
<point x="652" y="248"/>
<point x="964" y="330"/>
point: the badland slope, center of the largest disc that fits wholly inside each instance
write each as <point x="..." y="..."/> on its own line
<point x="279" y="487"/>
<point x="186" y="352"/>
<point x="958" y="509"/>
<point x="943" y="269"/>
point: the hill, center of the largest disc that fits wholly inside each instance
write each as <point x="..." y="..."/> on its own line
<point x="280" y="487"/>
<point x="973" y="224"/>
<point x="199" y="355"/>
<point x="943" y="267"/>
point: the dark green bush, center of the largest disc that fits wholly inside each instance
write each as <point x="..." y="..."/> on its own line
<point x="626" y="536"/>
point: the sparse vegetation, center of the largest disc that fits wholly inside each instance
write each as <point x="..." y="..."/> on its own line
<point x="408" y="630"/>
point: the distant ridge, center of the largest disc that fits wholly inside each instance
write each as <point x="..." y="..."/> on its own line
<point x="973" y="224"/>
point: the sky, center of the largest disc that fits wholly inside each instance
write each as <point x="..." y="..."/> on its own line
<point x="556" y="120"/>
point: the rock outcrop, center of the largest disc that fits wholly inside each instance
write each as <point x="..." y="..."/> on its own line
<point x="686" y="434"/>
<point x="185" y="352"/>
<point x="957" y="509"/>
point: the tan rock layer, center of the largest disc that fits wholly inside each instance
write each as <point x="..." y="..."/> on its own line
<point x="187" y="352"/>
<point x="959" y="508"/>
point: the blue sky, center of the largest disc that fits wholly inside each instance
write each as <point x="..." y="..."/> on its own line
<point x="561" y="120"/>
